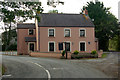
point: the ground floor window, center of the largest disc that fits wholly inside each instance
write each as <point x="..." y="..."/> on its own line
<point x="67" y="46"/>
<point x="60" y="46"/>
<point x="31" y="46"/>
<point x="82" y="46"/>
<point x="51" y="46"/>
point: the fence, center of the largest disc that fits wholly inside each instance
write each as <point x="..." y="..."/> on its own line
<point x="9" y="53"/>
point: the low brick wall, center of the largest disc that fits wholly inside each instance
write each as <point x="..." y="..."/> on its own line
<point x="48" y="55"/>
<point x="56" y="55"/>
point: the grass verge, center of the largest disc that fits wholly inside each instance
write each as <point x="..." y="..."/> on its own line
<point x="104" y="55"/>
<point x="3" y="69"/>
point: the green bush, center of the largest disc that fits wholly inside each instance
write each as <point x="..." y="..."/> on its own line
<point x="63" y="53"/>
<point x="83" y="55"/>
<point x="76" y="52"/>
<point x="94" y="52"/>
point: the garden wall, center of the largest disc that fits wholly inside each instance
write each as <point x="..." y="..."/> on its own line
<point x="48" y="55"/>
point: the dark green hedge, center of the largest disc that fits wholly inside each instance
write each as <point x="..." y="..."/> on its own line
<point x="83" y="55"/>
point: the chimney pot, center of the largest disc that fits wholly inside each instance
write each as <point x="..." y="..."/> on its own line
<point x="85" y="12"/>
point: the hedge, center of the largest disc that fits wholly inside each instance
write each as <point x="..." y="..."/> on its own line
<point x="83" y="55"/>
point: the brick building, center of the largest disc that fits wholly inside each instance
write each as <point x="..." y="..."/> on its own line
<point x="77" y="30"/>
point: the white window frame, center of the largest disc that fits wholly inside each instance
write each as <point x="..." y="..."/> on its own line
<point x="54" y="46"/>
<point x="29" y="45"/>
<point x="64" y="45"/>
<point x="82" y="29"/>
<point x="49" y="29"/>
<point x="82" y="42"/>
<point x="33" y="31"/>
<point x="65" y="29"/>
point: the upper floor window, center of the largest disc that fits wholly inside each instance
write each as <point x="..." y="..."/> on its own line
<point x="51" y="32"/>
<point x="82" y="33"/>
<point x="67" y="33"/>
<point x="31" y="31"/>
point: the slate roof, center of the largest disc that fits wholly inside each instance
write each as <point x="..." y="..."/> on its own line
<point x="59" y="20"/>
<point x="30" y="39"/>
<point x="25" y="25"/>
<point x="64" y="20"/>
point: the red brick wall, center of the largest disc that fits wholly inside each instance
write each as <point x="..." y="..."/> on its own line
<point x="75" y="39"/>
<point x="22" y="46"/>
<point x="59" y="37"/>
<point x="48" y="55"/>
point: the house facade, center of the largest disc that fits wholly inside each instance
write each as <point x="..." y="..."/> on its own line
<point x="53" y="30"/>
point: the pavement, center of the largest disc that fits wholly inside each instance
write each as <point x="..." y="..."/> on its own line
<point x="32" y="67"/>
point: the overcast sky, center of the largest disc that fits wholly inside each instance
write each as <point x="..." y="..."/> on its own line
<point x="75" y="6"/>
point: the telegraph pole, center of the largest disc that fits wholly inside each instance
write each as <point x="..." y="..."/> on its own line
<point x="66" y="50"/>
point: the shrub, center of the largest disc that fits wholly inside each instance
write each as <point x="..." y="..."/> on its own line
<point x="76" y="52"/>
<point x="83" y="55"/>
<point x="63" y="53"/>
<point x="94" y="52"/>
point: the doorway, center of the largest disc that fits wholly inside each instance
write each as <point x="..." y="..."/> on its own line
<point x="31" y="46"/>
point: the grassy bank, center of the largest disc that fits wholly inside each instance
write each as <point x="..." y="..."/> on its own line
<point x="3" y="69"/>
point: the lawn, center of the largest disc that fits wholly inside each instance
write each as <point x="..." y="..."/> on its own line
<point x="104" y="55"/>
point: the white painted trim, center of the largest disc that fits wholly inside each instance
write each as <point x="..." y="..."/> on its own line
<point x="82" y="42"/>
<point x="82" y="29"/>
<point x="33" y="31"/>
<point x="29" y="46"/>
<point x="49" y="29"/>
<point x="70" y="45"/>
<point x="54" y="45"/>
<point x="64" y="31"/>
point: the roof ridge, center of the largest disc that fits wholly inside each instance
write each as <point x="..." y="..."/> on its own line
<point x="63" y="13"/>
<point x="25" y="23"/>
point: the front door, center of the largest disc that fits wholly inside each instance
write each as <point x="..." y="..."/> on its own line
<point x="67" y="46"/>
<point x="31" y="47"/>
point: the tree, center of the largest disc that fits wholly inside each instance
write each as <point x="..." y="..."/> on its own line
<point x="104" y="21"/>
<point x="13" y="42"/>
<point x="14" y="12"/>
<point x="53" y="11"/>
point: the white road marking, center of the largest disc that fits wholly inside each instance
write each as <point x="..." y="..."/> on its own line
<point x="6" y="75"/>
<point x="38" y="65"/>
<point x="49" y="76"/>
<point x="57" y="68"/>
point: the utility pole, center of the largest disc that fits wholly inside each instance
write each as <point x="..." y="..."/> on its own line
<point x="66" y="50"/>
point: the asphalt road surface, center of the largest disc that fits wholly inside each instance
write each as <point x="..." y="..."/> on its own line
<point x="32" y="67"/>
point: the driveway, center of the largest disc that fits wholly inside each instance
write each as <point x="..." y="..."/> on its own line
<point x="31" y="67"/>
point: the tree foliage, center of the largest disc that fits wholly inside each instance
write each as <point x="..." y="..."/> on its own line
<point x="105" y="23"/>
<point x="12" y="11"/>
<point x="53" y="11"/>
<point x="15" y="12"/>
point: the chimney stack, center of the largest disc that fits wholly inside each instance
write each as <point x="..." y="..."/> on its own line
<point x="85" y="12"/>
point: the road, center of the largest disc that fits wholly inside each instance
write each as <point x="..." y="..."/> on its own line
<point x="32" y="67"/>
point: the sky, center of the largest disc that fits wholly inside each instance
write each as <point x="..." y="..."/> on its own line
<point x="75" y="6"/>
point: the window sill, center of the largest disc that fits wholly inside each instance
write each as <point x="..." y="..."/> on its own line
<point x="51" y="37"/>
<point x="82" y="36"/>
<point x="67" y="37"/>
<point x="31" y="34"/>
